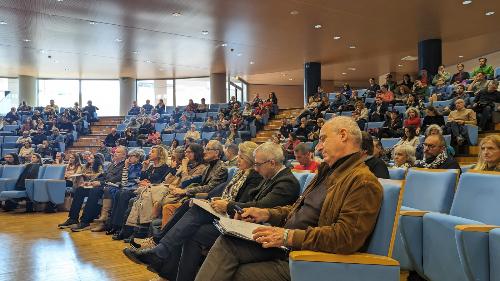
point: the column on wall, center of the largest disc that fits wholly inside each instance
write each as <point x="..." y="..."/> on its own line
<point x="429" y="55"/>
<point x="218" y="88"/>
<point x="27" y="89"/>
<point x="312" y="79"/>
<point x="127" y="94"/>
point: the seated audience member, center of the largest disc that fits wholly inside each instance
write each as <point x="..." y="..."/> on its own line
<point x="286" y="128"/>
<point x="160" y="107"/>
<point x="420" y="89"/>
<point x="290" y="145"/>
<point x="10" y="159"/>
<point x="148" y="107"/>
<point x="457" y="120"/>
<point x="404" y="156"/>
<point x="22" y="139"/>
<point x="246" y="190"/>
<point x="11" y="118"/>
<point x="407" y="82"/>
<point x="191" y="106"/>
<point x="378" y="110"/>
<point x="424" y="77"/>
<point x="385" y="94"/>
<point x="314" y="134"/>
<point x="379" y="151"/>
<point x="459" y="93"/>
<point x="91" y="112"/>
<point x="104" y="150"/>
<point x="336" y="104"/>
<point x="484" y="104"/>
<point x="432" y="116"/>
<point x="401" y="96"/>
<point x="315" y="115"/>
<point x="112" y="175"/>
<point x="135" y="109"/>
<point x="303" y="130"/>
<point x="146" y="127"/>
<point x="247" y="112"/>
<point x="441" y="74"/>
<point x="233" y="134"/>
<point x="51" y="108"/>
<point x="393" y="126"/>
<point x="325" y="103"/>
<point x="209" y="125"/>
<point x="192" y="133"/>
<point x="23" y="108"/>
<point x="231" y="155"/>
<point x="202" y="107"/>
<point x="29" y="172"/>
<point x="412" y="118"/>
<point x="233" y="101"/>
<point x="373" y="89"/>
<point x="346" y="90"/>
<point x="315" y="214"/>
<point x="25" y="152"/>
<point x="440" y="91"/>
<point x="478" y="84"/>
<point x="435" y="156"/>
<point x="360" y="114"/>
<point x="59" y="158"/>
<point x="487" y="70"/>
<point x="256" y="100"/>
<point x="304" y="156"/>
<point x="411" y="102"/>
<point x="376" y="165"/>
<point x="111" y="138"/>
<point x="45" y="150"/>
<point x="489" y="156"/>
<point x="409" y="137"/>
<point x="38" y="137"/>
<point x="461" y="76"/>
<point x="154" y="116"/>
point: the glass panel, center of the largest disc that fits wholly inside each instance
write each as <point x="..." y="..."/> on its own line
<point x="192" y="88"/>
<point x="154" y="90"/>
<point x="64" y="92"/>
<point x="9" y="96"/>
<point x="105" y="94"/>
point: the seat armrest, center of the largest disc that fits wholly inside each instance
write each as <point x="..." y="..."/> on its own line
<point x="356" y="258"/>
<point x="476" y="227"/>
<point x="413" y="213"/>
<point x="201" y="195"/>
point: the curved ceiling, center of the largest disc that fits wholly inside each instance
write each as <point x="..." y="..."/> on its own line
<point x="264" y="41"/>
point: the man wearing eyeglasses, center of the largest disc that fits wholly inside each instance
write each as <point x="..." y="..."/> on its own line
<point x="435" y="156"/>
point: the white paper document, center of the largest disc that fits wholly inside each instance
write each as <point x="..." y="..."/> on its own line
<point x="206" y="206"/>
<point x="237" y="228"/>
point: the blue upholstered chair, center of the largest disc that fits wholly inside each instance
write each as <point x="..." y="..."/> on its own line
<point x="397" y="173"/>
<point x="453" y="246"/>
<point x="389" y="142"/>
<point x="494" y="248"/>
<point x="180" y="137"/>
<point x="374" y="125"/>
<point x="10" y="174"/>
<point x="309" y="179"/>
<point x="375" y="264"/>
<point x="301" y="177"/>
<point x="425" y="189"/>
<point x="473" y="133"/>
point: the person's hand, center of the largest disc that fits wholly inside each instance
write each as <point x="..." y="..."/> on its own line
<point x="220" y="205"/>
<point x="177" y="191"/>
<point x="143" y="183"/>
<point x="269" y="237"/>
<point x="145" y="163"/>
<point x="127" y="163"/>
<point x="255" y="215"/>
<point x="185" y="162"/>
<point x="95" y="184"/>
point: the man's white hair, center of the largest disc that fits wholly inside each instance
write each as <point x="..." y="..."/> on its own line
<point x="347" y="123"/>
<point x="271" y="151"/>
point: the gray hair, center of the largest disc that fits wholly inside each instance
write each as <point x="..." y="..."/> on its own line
<point x="408" y="150"/>
<point x="179" y="152"/>
<point x="347" y="123"/>
<point x="271" y="151"/>
<point x="137" y="152"/>
<point x="215" y="144"/>
<point x="232" y="148"/>
<point x="124" y="149"/>
<point x="302" y="148"/>
<point x="433" y="127"/>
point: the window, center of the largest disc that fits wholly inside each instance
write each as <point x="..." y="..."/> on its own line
<point x="192" y="88"/>
<point x="9" y="96"/>
<point x="105" y="94"/>
<point x="154" y="90"/>
<point x="64" y="92"/>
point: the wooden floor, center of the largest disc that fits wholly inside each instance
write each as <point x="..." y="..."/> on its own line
<point x="33" y="248"/>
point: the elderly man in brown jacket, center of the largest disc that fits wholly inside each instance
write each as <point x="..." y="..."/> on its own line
<point x="336" y="213"/>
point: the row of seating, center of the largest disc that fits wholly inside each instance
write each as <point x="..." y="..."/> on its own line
<point x="390" y="142"/>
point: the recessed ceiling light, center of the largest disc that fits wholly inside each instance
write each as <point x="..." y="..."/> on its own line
<point x="3" y="22"/>
<point x="400" y="65"/>
<point x="176" y="14"/>
<point x="466" y="2"/>
<point x="135" y="52"/>
<point x="343" y="73"/>
<point x="290" y="79"/>
<point x="252" y="62"/>
<point x="92" y="22"/>
<point x="460" y="56"/>
<point x="26" y="40"/>
<point x="59" y="0"/>
<point x="294" y="12"/>
<point x="409" y="58"/>
<point x="55" y="61"/>
<point x="239" y="54"/>
<point x="204" y="32"/>
<point x="223" y="45"/>
<point x="318" y="26"/>
<point x="352" y="47"/>
<point x="66" y="68"/>
<point x="491" y="13"/>
<point x="118" y="40"/>
<point x="336" y="37"/>
<point x="283" y="74"/>
<point x="352" y="68"/>
<point x="148" y="61"/>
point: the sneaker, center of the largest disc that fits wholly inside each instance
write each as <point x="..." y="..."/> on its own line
<point x="146" y="243"/>
<point x="81" y="227"/>
<point x="68" y="223"/>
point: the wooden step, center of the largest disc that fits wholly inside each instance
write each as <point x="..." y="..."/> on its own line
<point x="469" y="159"/>
<point x="497" y="126"/>
<point x="473" y="150"/>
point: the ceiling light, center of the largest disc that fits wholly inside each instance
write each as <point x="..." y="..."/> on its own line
<point x="336" y="37"/>
<point x="283" y="74"/>
<point x="204" y="32"/>
<point x="92" y="22"/>
<point x="66" y="68"/>
<point x="400" y="65"/>
<point x="135" y="52"/>
<point x="176" y="14"/>
<point x="239" y="54"/>
<point x="318" y="26"/>
<point x="343" y="73"/>
<point x="223" y="45"/>
<point x="252" y="62"/>
<point x="148" y="61"/>
<point x="3" y="22"/>
<point x="352" y="68"/>
<point x="294" y="12"/>
<point x="42" y="51"/>
<point x="59" y="0"/>
<point x="466" y="2"/>
<point x="352" y="47"/>
<point x="409" y="58"/>
<point x="290" y="79"/>
<point x="55" y="61"/>
<point x="26" y="40"/>
<point x="118" y="40"/>
<point x="460" y="56"/>
<point x="491" y="13"/>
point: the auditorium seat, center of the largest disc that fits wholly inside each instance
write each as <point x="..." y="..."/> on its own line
<point x="309" y="179"/>
<point x="397" y="173"/>
<point x="375" y="264"/>
<point x="301" y="177"/>
<point x="9" y="177"/>
<point x="494" y="248"/>
<point x="389" y="142"/>
<point x="425" y="189"/>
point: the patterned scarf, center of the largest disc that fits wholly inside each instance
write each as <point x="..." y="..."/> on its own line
<point x="440" y="159"/>
<point x="233" y="187"/>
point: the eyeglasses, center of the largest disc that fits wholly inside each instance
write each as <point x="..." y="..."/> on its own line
<point x="257" y="165"/>
<point x="430" y="146"/>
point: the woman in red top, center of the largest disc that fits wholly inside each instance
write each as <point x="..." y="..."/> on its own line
<point x="412" y="118"/>
<point x="386" y="95"/>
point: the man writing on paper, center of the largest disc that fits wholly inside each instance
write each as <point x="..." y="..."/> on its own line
<point x="336" y="213"/>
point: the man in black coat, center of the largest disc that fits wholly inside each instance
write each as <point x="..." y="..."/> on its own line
<point x="435" y="156"/>
<point x="279" y="187"/>
<point x="378" y="110"/>
<point x="375" y="164"/>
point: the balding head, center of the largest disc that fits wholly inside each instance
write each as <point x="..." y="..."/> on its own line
<point x="339" y="137"/>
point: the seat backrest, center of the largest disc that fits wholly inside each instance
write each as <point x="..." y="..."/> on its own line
<point x="231" y="171"/>
<point x="477" y="197"/>
<point x="383" y="236"/>
<point x="389" y="142"/>
<point x="207" y="135"/>
<point x="430" y="189"/>
<point x="397" y="173"/>
<point x="54" y="172"/>
<point x="10" y="139"/>
<point x="301" y="177"/>
<point x="12" y="171"/>
<point x="309" y="179"/>
<point x="1" y="170"/>
<point x="6" y="151"/>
